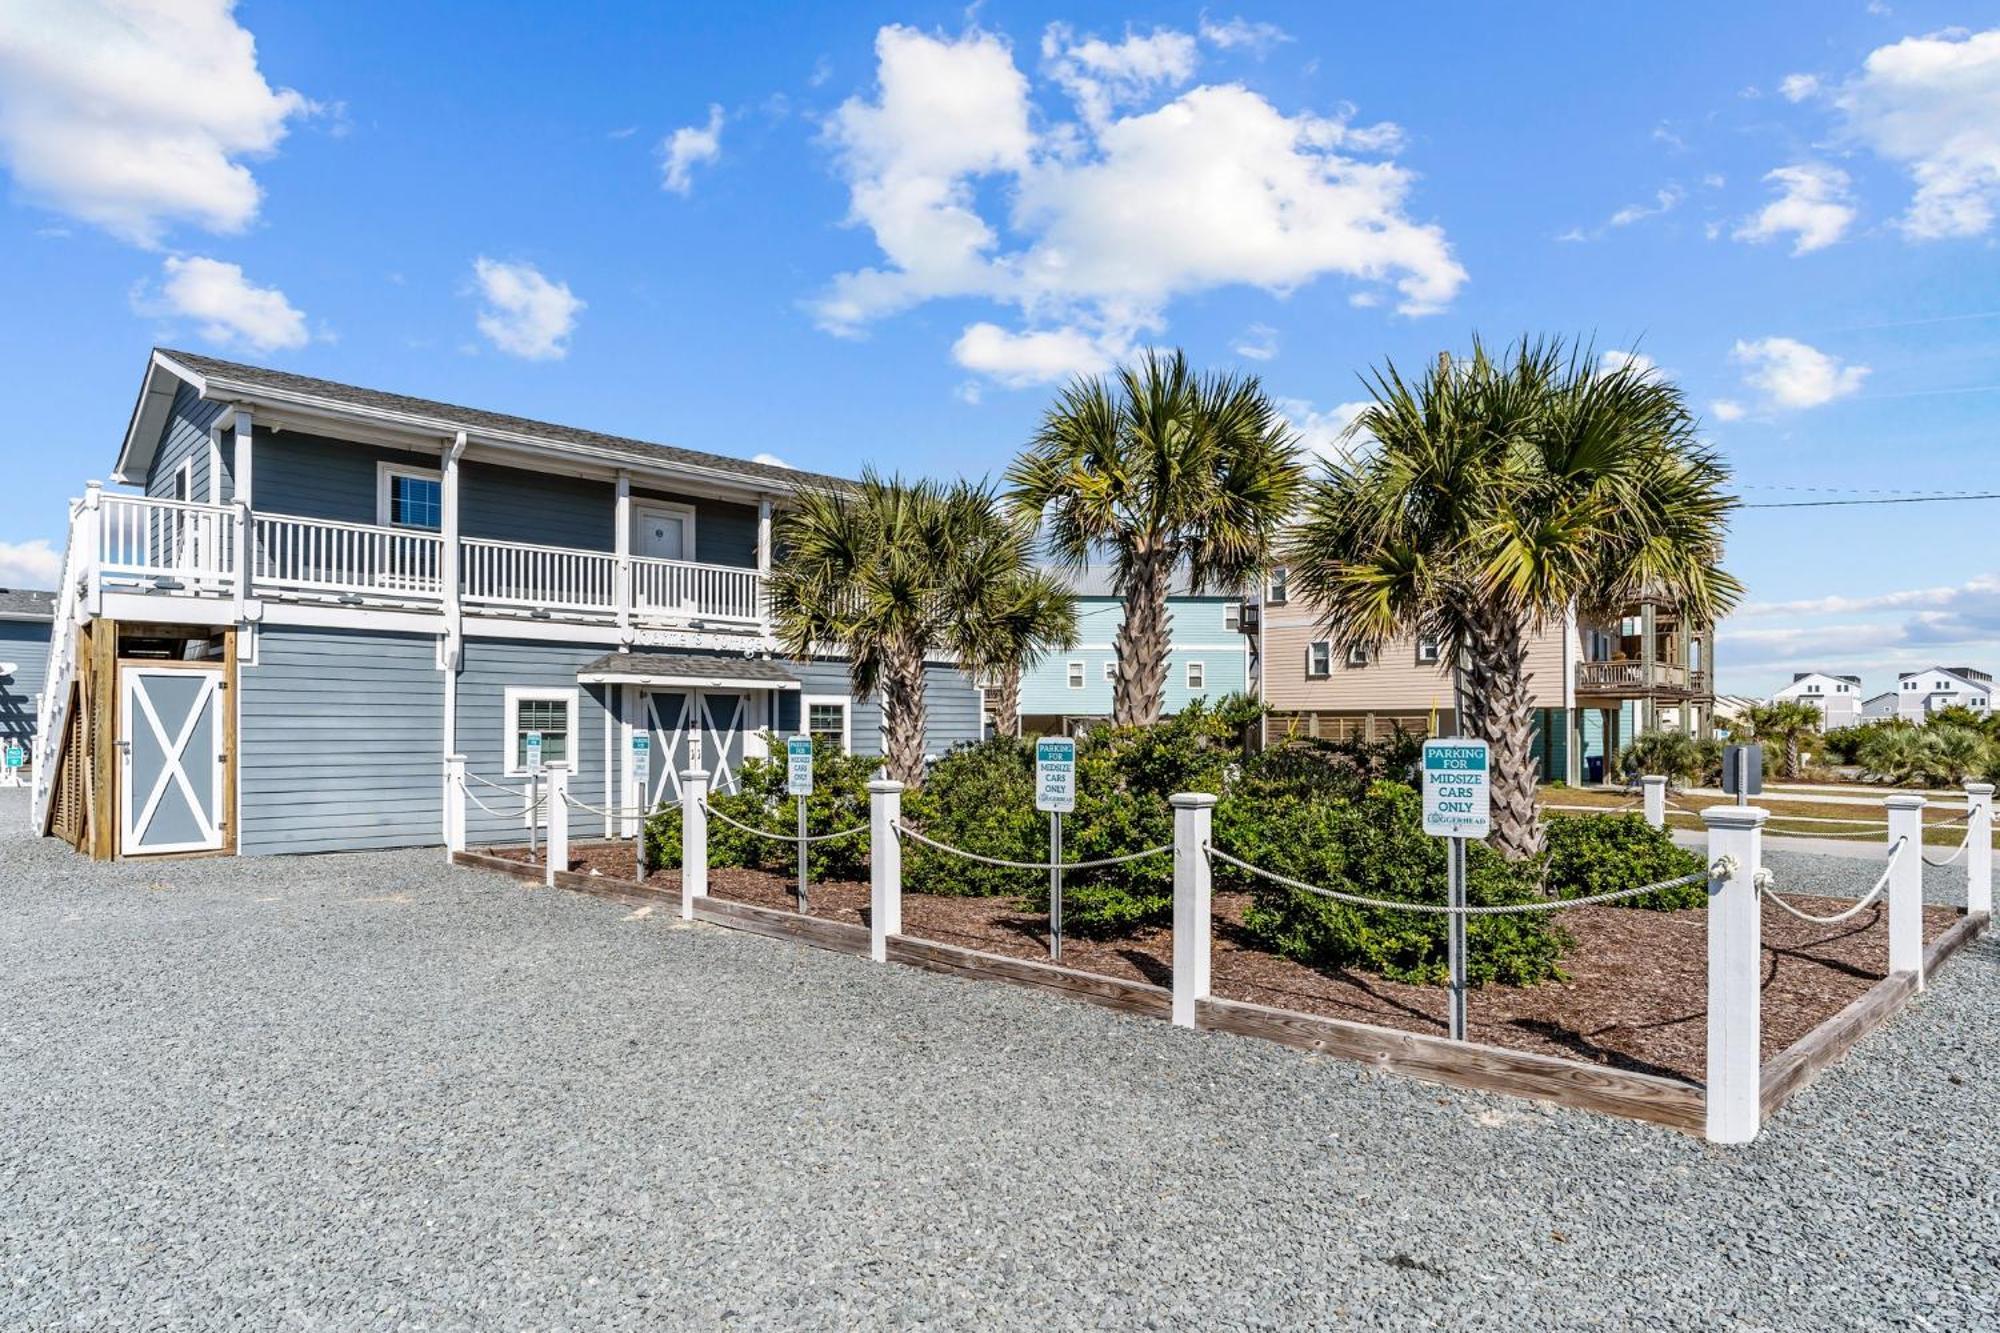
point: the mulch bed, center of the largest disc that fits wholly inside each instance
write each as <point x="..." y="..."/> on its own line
<point x="1635" y="997"/>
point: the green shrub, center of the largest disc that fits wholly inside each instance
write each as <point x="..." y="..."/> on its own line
<point x="1376" y="847"/>
<point x="1681" y="758"/>
<point x="1842" y="744"/>
<point x="982" y="798"/>
<point x="839" y="801"/>
<point x="1592" y="854"/>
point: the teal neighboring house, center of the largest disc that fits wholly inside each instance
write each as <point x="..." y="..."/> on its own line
<point x="1071" y="690"/>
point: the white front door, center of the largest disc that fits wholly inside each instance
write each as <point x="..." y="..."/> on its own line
<point x="663" y="532"/>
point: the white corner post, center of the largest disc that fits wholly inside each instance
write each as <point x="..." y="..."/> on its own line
<point x="885" y="866"/>
<point x="243" y="431"/>
<point x="1906" y="887"/>
<point x="555" y="794"/>
<point x="1735" y="998"/>
<point x="450" y="582"/>
<point x="694" y="840"/>
<point x="90" y="536"/>
<point x="621" y="553"/>
<point x="1979" y="849"/>
<point x="454" y="805"/>
<point x="1194" y="814"/>
<point x="1655" y="787"/>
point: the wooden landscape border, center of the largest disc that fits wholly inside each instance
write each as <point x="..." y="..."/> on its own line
<point x="1793" y="1069"/>
<point x="1651" y="1098"/>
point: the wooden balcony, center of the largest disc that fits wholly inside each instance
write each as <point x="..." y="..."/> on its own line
<point x="1628" y="679"/>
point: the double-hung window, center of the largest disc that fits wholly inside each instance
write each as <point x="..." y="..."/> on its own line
<point x="827" y="719"/>
<point x="1279" y="589"/>
<point x="1319" y="659"/>
<point x="1197" y="675"/>
<point x="1076" y="675"/>
<point x="550" y="712"/>
<point x="409" y="497"/>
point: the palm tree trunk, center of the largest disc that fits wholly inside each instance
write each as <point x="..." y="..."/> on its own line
<point x="1007" y="702"/>
<point x="1499" y="709"/>
<point x="1144" y="642"/>
<point x="903" y="715"/>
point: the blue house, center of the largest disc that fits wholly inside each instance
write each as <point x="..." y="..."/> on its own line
<point x="25" y="620"/>
<point x="322" y="591"/>
<point x="1210" y="657"/>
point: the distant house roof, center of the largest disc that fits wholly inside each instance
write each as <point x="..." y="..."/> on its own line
<point x="684" y="669"/>
<point x="1798" y="676"/>
<point x="229" y="380"/>
<point x="1970" y="675"/>
<point x="27" y="604"/>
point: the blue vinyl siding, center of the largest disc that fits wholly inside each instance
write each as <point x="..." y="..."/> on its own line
<point x="311" y="476"/>
<point x="543" y="509"/>
<point x="26" y="644"/>
<point x="724" y="533"/>
<point x="490" y="667"/>
<point x="951" y="705"/>
<point x="341" y="742"/>
<point x="1199" y="633"/>
<point x="186" y="437"/>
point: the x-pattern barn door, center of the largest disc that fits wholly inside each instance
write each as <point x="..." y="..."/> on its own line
<point x="676" y="719"/>
<point x="170" y="762"/>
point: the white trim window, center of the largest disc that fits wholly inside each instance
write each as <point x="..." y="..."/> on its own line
<point x="549" y="711"/>
<point x="1197" y="675"/>
<point x="1357" y="656"/>
<point x="1111" y="670"/>
<point x="1319" y="659"/>
<point x="1076" y="675"/>
<point x="1279" y="589"/>
<point x="409" y="497"/>
<point x="830" y="716"/>
<point x="1428" y="652"/>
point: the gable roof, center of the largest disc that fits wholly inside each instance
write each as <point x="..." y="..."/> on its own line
<point x="1798" y="676"/>
<point x="223" y="380"/>
<point x="1978" y="680"/>
<point x="27" y="604"/>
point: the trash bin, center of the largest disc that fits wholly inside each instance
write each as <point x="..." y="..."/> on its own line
<point x="1593" y="768"/>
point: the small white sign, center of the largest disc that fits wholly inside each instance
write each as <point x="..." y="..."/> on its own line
<point x="1458" y="796"/>
<point x="799" y="766"/>
<point x="1055" y="774"/>
<point x="642" y="764"/>
<point x="534" y="752"/>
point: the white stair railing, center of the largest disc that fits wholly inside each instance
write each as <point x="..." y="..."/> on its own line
<point x="52" y="712"/>
<point x="165" y="543"/>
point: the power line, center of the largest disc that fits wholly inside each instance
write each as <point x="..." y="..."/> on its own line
<point x="1886" y="500"/>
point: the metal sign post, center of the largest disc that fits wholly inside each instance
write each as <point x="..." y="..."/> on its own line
<point x="642" y="772"/>
<point x="799" y="782"/>
<point x="1055" y="793"/>
<point x="1743" y="772"/>
<point x="534" y="746"/>
<point x="1458" y="804"/>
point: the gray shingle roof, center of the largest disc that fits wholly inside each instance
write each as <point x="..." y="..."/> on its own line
<point x="477" y="419"/>
<point x="17" y="602"/>
<point x="673" y="666"/>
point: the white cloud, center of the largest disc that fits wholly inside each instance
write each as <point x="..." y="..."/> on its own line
<point x="1259" y="342"/>
<point x="1257" y="38"/>
<point x="1812" y="206"/>
<point x="1100" y="76"/>
<point x="1664" y="201"/>
<point x="228" y="308"/>
<point x="689" y="147"/>
<point x="1792" y="375"/>
<point x="1032" y="357"/>
<point x="1984" y="587"/>
<point x="29" y="564"/>
<point x="1610" y="363"/>
<point x="1325" y="433"/>
<point x="1798" y="87"/>
<point x="769" y="460"/>
<point x="1726" y="409"/>
<point x="1933" y="104"/>
<point x="1878" y="634"/>
<point x="1093" y="229"/>
<point x="523" y="313"/>
<point x="134" y="114"/>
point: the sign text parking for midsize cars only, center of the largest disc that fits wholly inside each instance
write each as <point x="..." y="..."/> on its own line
<point x="1055" y="792"/>
<point x="1458" y="804"/>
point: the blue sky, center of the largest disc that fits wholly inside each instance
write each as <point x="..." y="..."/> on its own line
<point x="848" y="235"/>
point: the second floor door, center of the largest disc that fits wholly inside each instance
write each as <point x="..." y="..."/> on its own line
<point x="663" y="532"/>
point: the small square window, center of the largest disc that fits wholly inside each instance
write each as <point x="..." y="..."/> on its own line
<point x="410" y="498"/>
<point x="1076" y="675"/>
<point x="1319" y="659"/>
<point x="1357" y="656"/>
<point x="1197" y="676"/>
<point x="1427" y="651"/>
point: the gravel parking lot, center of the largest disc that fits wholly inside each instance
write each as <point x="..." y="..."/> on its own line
<point x="370" y="1091"/>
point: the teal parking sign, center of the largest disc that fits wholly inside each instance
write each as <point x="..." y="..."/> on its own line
<point x="799" y="766"/>
<point x="1458" y="797"/>
<point x="1055" y="774"/>
<point x="16" y="756"/>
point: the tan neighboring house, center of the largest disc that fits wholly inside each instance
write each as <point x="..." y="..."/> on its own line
<point x="1595" y="685"/>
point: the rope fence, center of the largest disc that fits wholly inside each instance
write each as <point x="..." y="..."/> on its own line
<point x="905" y="831"/>
<point x="1765" y="879"/>
<point x="782" y="837"/>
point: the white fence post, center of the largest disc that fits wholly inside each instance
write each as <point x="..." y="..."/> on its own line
<point x="1979" y="851"/>
<point x="1906" y="887"/>
<point x="454" y="805"/>
<point x="1735" y="999"/>
<point x="885" y="866"/>
<point x="1655" y="787"/>
<point x="555" y="779"/>
<point x="1193" y="917"/>
<point x="694" y="840"/>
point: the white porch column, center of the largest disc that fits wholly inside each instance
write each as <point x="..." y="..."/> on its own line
<point x="694" y="839"/>
<point x="1906" y="886"/>
<point x="885" y="869"/>
<point x="1656" y="799"/>
<point x="89" y="538"/>
<point x="1735" y="1001"/>
<point x="449" y="555"/>
<point x="621" y="546"/>
<point x="454" y="805"/>
<point x="1979" y="852"/>
<point x="763" y="553"/>
<point x="1193" y="913"/>
<point x="555" y="787"/>
<point x="243" y="428"/>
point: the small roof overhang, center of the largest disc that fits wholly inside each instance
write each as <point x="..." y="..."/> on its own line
<point x="681" y="671"/>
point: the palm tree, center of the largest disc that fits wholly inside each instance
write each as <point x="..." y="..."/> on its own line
<point x="1897" y="754"/>
<point x="1496" y="496"/>
<point x="1023" y="615"/>
<point x="1955" y="752"/>
<point x="894" y="573"/>
<point x="1163" y="470"/>
<point x="1784" y="723"/>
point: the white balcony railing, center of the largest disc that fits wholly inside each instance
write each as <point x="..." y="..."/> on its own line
<point x="172" y="546"/>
